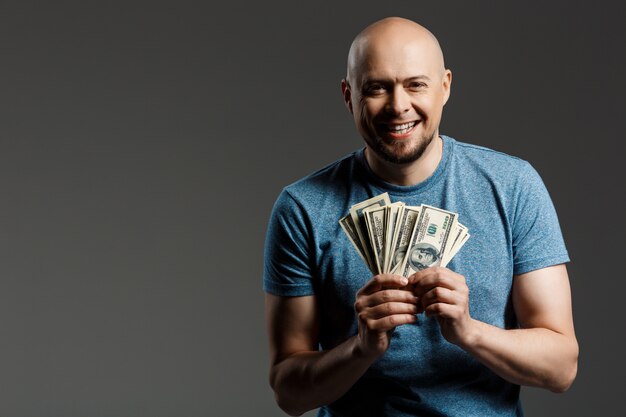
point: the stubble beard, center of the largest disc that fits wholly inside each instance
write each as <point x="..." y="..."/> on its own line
<point x="395" y="152"/>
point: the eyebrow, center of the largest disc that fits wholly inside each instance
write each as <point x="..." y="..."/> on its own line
<point x="384" y="80"/>
<point x="418" y="77"/>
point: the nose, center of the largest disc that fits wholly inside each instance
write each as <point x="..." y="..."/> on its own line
<point x="399" y="101"/>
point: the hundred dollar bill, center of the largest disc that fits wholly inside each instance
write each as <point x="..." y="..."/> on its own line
<point x="458" y="246"/>
<point x="404" y="228"/>
<point x="429" y="240"/>
<point x="348" y="227"/>
<point x="392" y="214"/>
<point x="459" y="233"/>
<point x="376" y="221"/>
<point x="356" y="213"/>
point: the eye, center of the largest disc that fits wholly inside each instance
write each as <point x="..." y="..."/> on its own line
<point x="416" y="86"/>
<point x="374" y="89"/>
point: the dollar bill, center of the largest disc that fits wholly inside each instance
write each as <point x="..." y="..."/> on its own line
<point x="349" y="229"/>
<point x="376" y="221"/>
<point x="460" y="236"/>
<point x="356" y="213"/>
<point x="458" y="246"/>
<point x="429" y="239"/>
<point x="404" y="229"/>
<point x="393" y="211"/>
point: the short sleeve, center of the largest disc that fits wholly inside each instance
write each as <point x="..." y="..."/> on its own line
<point x="536" y="233"/>
<point x="287" y="270"/>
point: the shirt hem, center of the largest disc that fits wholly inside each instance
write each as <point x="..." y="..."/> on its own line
<point x="533" y="265"/>
<point x="287" y="290"/>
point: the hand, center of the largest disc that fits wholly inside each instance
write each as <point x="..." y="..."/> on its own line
<point x="444" y="294"/>
<point x="381" y="305"/>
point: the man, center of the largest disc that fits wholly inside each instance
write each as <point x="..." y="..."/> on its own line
<point x="498" y="317"/>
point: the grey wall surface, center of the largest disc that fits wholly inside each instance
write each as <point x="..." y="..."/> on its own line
<point x="142" y="146"/>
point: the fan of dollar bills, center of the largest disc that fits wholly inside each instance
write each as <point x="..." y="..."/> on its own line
<point x="400" y="239"/>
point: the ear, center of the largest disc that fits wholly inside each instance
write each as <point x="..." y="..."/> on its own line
<point x="347" y="94"/>
<point x="447" y="85"/>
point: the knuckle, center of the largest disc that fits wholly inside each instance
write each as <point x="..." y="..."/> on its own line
<point x="389" y="308"/>
<point x="437" y="292"/>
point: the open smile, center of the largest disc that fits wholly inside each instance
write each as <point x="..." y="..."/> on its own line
<point x="399" y="131"/>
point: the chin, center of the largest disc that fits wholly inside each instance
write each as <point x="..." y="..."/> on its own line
<point x="403" y="154"/>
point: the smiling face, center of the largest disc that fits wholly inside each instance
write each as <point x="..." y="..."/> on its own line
<point x="396" y="89"/>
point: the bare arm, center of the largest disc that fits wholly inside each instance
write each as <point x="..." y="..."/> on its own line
<point x="304" y="378"/>
<point x="543" y="352"/>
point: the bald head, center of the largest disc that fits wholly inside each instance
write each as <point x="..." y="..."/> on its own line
<point x="396" y="88"/>
<point x="388" y="37"/>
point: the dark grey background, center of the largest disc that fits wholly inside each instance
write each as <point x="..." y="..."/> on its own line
<point x="143" y="144"/>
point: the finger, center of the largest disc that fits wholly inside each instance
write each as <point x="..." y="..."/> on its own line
<point x="440" y="295"/>
<point x="390" y="309"/>
<point x="390" y="322"/>
<point x="386" y="296"/>
<point x="383" y="281"/>
<point x="435" y="270"/>
<point x="442" y="310"/>
<point x="437" y="277"/>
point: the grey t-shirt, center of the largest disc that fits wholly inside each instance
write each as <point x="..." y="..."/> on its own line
<point x="514" y="229"/>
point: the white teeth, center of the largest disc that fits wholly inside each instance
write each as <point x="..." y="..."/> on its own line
<point x="403" y="128"/>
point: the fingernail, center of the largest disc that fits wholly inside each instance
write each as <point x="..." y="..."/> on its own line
<point x="404" y="281"/>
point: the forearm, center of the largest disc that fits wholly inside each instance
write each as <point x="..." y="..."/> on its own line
<point x="307" y="380"/>
<point x="535" y="357"/>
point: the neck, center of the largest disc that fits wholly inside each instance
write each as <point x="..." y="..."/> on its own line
<point x="410" y="173"/>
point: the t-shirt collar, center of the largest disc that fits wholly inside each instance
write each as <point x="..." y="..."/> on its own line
<point x="448" y="148"/>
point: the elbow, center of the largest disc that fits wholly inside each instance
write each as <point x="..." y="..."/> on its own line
<point x="565" y="381"/>
<point x="562" y="386"/>
<point x="567" y="374"/>
<point x="283" y="399"/>
<point x="285" y="405"/>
